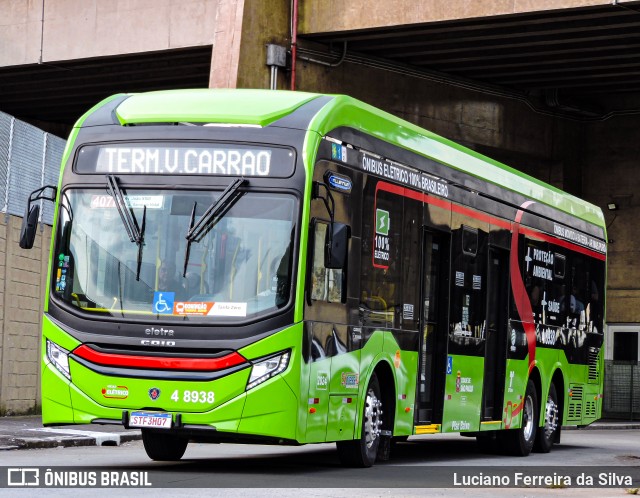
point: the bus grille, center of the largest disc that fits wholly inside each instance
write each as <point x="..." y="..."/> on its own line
<point x="590" y="409"/>
<point x="594" y="374"/>
<point x="575" y="403"/>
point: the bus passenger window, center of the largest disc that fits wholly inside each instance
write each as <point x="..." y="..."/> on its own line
<point x="469" y="241"/>
<point x="326" y="284"/>
<point x="385" y="236"/>
<point x="468" y="292"/>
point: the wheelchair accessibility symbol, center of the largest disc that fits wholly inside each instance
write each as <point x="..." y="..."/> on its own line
<point x="163" y="302"/>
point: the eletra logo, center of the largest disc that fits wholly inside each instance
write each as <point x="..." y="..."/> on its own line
<point x="160" y="332"/>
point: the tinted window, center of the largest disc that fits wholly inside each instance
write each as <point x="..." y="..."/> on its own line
<point x="381" y="271"/>
<point x="326" y="284"/>
<point x="468" y="293"/>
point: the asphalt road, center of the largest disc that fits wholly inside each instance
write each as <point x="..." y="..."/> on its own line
<point x="415" y="467"/>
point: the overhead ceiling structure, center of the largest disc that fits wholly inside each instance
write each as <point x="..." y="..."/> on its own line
<point x="587" y="57"/>
<point x="61" y="92"/>
<point x="581" y="62"/>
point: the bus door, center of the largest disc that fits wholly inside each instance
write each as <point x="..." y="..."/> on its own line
<point x="496" y="334"/>
<point x="433" y="327"/>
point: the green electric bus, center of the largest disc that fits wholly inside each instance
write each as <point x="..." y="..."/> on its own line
<point x="280" y="267"/>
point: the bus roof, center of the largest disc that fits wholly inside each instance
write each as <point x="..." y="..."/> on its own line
<point x="264" y="107"/>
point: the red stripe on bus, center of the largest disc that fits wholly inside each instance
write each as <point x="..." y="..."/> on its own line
<point x="158" y="362"/>
<point x="520" y="296"/>
<point x="498" y="222"/>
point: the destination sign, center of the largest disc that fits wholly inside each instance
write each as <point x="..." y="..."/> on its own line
<point x="403" y="174"/>
<point x="182" y="159"/>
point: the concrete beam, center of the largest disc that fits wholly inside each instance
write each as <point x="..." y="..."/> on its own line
<point x="45" y="30"/>
<point x="322" y="16"/>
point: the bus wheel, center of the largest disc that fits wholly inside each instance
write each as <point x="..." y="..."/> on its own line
<point x="547" y="433"/>
<point x="162" y="446"/>
<point x="362" y="452"/>
<point x="519" y="442"/>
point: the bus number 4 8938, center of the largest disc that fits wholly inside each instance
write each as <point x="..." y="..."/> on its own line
<point x="194" y="396"/>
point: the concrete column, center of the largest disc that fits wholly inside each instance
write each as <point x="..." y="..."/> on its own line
<point x="263" y="23"/>
<point x="226" y="44"/>
<point x="243" y="28"/>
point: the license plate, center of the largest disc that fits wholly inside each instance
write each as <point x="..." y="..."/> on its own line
<point x="153" y="420"/>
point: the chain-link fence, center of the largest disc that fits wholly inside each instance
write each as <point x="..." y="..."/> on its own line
<point x="621" y="390"/>
<point x="29" y="159"/>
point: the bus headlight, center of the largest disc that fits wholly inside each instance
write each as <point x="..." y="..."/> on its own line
<point x="265" y="369"/>
<point x="59" y="357"/>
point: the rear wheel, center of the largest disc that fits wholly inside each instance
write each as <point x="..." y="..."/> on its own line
<point x="519" y="442"/>
<point x="547" y="433"/>
<point x="362" y="452"/>
<point x="163" y="446"/>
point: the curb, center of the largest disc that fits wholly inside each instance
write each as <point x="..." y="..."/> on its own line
<point x="109" y="439"/>
<point x="604" y="427"/>
<point x="118" y="438"/>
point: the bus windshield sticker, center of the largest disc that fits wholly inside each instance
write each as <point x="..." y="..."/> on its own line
<point x="381" y="241"/>
<point x="405" y="175"/>
<point x="163" y="302"/>
<point x="204" y="308"/>
<point x="228" y="309"/>
<point x="192" y="308"/>
<point x="105" y="201"/>
<point x="181" y="159"/>
<point x="338" y="152"/>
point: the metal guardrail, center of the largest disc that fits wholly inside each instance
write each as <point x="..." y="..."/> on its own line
<point x="29" y="159"/>
<point x="621" y="390"/>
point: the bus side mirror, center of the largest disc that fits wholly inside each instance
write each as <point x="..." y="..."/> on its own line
<point x="336" y="246"/>
<point x="29" y="226"/>
<point x="32" y="213"/>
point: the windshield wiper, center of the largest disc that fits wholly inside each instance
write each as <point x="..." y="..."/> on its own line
<point x="128" y="217"/>
<point x="141" y="243"/>
<point x="214" y="213"/>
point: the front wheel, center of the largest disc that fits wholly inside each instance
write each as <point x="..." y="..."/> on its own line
<point x="163" y="446"/>
<point x="519" y="442"/>
<point x="362" y="452"/>
<point x="547" y="433"/>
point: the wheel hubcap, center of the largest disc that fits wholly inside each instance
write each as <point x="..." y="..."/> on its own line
<point x="527" y="418"/>
<point x="550" y="417"/>
<point x="372" y="418"/>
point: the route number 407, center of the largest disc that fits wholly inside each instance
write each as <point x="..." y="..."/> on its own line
<point x="194" y="396"/>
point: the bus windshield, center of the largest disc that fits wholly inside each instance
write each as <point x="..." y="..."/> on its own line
<point x="238" y="267"/>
